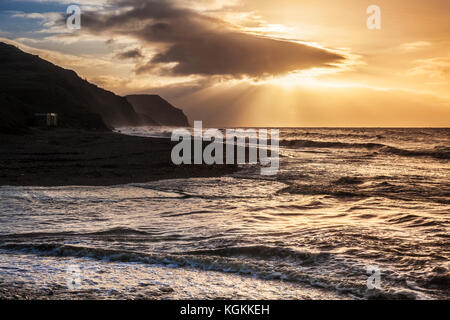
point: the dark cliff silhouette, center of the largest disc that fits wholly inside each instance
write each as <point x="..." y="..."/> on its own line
<point x="30" y="85"/>
<point x="158" y="109"/>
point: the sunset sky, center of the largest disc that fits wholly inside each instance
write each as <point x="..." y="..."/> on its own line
<point x="255" y="62"/>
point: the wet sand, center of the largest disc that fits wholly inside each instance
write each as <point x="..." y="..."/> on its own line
<point x="62" y="157"/>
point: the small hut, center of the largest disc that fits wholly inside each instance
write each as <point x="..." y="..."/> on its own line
<point x="46" y="119"/>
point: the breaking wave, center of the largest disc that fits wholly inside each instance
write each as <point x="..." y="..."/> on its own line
<point x="225" y="260"/>
<point x="439" y="152"/>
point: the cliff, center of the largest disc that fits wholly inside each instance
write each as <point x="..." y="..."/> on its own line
<point x="158" y="109"/>
<point x="29" y="84"/>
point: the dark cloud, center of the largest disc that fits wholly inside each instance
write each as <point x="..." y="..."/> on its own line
<point x="200" y="44"/>
<point x="130" y="54"/>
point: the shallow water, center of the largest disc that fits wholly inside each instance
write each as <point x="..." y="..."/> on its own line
<point x="344" y="200"/>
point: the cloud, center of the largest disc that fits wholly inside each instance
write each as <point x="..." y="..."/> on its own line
<point x="437" y="68"/>
<point x="49" y="20"/>
<point x="86" y="67"/>
<point x="192" y="42"/>
<point x="79" y="2"/>
<point x="414" y="46"/>
<point x="4" y="33"/>
<point x="130" y="54"/>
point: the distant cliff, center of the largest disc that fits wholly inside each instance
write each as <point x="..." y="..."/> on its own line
<point x="29" y="84"/>
<point x="158" y="109"/>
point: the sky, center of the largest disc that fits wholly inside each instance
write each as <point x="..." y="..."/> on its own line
<point x="255" y="63"/>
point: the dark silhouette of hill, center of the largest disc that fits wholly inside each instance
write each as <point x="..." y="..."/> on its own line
<point x="29" y="85"/>
<point x="158" y="109"/>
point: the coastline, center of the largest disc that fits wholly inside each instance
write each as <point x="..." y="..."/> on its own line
<point x="63" y="157"/>
<point x="73" y="157"/>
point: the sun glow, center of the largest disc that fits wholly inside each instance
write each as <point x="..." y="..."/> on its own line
<point x="309" y="78"/>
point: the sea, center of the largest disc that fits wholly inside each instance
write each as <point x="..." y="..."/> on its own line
<point x="352" y="214"/>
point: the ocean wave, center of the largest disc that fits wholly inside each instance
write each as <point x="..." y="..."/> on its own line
<point x="349" y="181"/>
<point x="264" y="252"/>
<point x="377" y="294"/>
<point x="367" y="187"/>
<point x="298" y="143"/>
<point x="439" y="281"/>
<point x="116" y="231"/>
<point x="335" y="190"/>
<point x="308" y="268"/>
<point x="438" y="152"/>
<point x="220" y="260"/>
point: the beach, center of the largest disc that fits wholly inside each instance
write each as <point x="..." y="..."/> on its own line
<point x="58" y="157"/>
<point x="236" y="153"/>
<point x="108" y="217"/>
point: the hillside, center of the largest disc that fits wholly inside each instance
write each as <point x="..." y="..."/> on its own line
<point x="29" y="84"/>
<point x="158" y="109"/>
